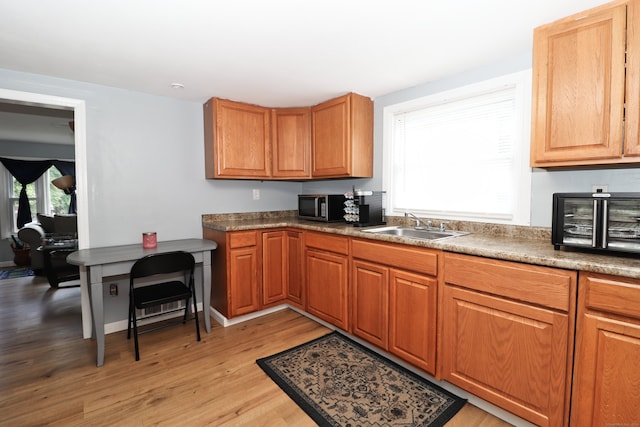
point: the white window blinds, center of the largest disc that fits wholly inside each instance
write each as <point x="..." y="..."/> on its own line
<point x="459" y="157"/>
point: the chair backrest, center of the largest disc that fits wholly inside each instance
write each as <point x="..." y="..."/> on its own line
<point x="163" y="263"/>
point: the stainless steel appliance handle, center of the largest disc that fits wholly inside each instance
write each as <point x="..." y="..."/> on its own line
<point x="605" y="223"/>
<point x="594" y="227"/>
<point x="317" y="206"/>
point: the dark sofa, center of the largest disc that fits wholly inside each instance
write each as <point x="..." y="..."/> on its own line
<point x="46" y="227"/>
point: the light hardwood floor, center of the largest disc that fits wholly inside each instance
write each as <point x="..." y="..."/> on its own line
<point x="48" y="374"/>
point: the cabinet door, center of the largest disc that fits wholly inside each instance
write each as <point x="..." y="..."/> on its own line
<point x="274" y="267"/>
<point x="244" y="281"/>
<point x="606" y="387"/>
<point x="578" y="89"/>
<point x="508" y="353"/>
<point x="342" y="137"/>
<point x="370" y="304"/>
<point x="295" y="282"/>
<point x="327" y="277"/>
<point x="331" y="151"/>
<point x="291" y="142"/>
<point x="237" y="140"/>
<point x="412" y="319"/>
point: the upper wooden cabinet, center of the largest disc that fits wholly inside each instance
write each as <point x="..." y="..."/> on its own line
<point x="342" y="137"/>
<point x="291" y="139"/>
<point x="244" y="141"/>
<point x="237" y="140"/>
<point x="579" y="88"/>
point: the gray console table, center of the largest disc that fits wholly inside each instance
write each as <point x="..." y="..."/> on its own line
<point x="100" y="263"/>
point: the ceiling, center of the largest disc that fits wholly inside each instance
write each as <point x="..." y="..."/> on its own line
<point x="26" y="123"/>
<point x="273" y="53"/>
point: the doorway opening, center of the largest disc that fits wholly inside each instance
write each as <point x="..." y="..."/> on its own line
<point x="79" y="113"/>
<point x="80" y="149"/>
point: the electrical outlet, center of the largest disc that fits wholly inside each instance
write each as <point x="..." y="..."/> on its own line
<point x="113" y="289"/>
<point x="256" y="194"/>
<point x="602" y="187"/>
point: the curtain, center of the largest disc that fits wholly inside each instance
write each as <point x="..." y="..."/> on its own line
<point x="68" y="168"/>
<point x="28" y="171"/>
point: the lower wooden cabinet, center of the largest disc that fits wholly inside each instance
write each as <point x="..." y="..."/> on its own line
<point x="412" y="318"/>
<point x="370" y="303"/>
<point x="253" y="270"/>
<point x="236" y="275"/>
<point x="275" y="268"/>
<point x="606" y="389"/>
<point x="507" y="335"/>
<point x="505" y="330"/>
<point x="394" y="290"/>
<point x="327" y="278"/>
<point x="282" y="269"/>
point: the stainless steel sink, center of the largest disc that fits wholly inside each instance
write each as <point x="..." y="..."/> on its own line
<point x="415" y="233"/>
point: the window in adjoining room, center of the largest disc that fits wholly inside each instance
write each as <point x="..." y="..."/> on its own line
<point x="462" y="154"/>
<point x="44" y="197"/>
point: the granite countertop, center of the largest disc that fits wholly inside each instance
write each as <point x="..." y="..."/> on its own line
<point x="531" y="245"/>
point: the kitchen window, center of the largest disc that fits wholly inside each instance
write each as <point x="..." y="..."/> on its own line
<point x="462" y="154"/>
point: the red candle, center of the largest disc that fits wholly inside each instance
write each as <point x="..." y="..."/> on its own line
<point x="149" y="240"/>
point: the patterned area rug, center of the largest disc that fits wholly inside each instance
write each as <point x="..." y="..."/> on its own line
<point x="14" y="273"/>
<point x="338" y="382"/>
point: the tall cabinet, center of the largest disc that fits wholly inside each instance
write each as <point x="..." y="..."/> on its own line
<point x="586" y="88"/>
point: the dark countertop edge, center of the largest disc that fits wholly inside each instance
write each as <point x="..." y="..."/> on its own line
<point x="529" y="251"/>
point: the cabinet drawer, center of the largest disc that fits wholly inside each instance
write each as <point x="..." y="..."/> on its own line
<point x="327" y="242"/>
<point x="617" y="296"/>
<point x="548" y="287"/>
<point x="399" y="256"/>
<point x="242" y="239"/>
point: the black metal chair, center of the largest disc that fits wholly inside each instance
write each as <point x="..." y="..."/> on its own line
<point x="141" y="297"/>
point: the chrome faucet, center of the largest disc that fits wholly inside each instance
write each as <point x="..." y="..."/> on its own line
<point x="427" y="224"/>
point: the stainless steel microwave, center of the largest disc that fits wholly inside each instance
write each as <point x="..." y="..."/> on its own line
<point x="321" y="207"/>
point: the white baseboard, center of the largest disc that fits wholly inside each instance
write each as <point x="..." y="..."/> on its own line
<point x="222" y="320"/>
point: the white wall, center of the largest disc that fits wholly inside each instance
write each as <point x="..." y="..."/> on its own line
<point x="544" y="183"/>
<point x="146" y="160"/>
<point x="145" y="164"/>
